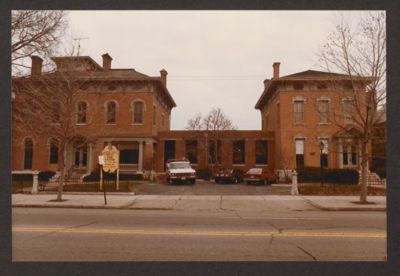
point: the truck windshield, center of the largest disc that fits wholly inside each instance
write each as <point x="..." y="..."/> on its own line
<point x="180" y="165"/>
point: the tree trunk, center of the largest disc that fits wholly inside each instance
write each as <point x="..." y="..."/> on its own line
<point x="364" y="172"/>
<point x="63" y="173"/>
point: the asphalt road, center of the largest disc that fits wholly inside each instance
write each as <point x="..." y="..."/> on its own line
<point x="160" y="235"/>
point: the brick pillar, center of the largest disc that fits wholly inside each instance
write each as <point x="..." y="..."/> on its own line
<point x="159" y="166"/>
<point x="180" y="149"/>
<point x="140" y="165"/>
<point x="148" y="156"/>
<point x="250" y="151"/>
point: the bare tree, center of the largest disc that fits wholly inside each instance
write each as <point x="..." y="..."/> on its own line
<point x="34" y="32"/>
<point x="360" y="53"/>
<point x="48" y="105"/>
<point x="212" y="123"/>
<point x="194" y="123"/>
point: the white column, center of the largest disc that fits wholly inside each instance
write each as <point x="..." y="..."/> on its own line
<point x="340" y="153"/>
<point x="35" y="182"/>
<point x="140" y="167"/>
<point x="89" y="167"/>
<point x="295" y="190"/>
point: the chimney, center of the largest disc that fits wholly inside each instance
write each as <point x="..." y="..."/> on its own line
<point x="36" y="65"/>
<point x="163" y="76"/>
<point x="107" y="61"/>
<point x="276" y="69"/>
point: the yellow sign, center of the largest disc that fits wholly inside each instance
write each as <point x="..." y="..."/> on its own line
<point x="111" y="159"/>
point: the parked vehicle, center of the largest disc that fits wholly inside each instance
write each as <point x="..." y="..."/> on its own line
<point x="180" y="170"/>
<point x="229" y="176"/>
<point x="261" y="176"/>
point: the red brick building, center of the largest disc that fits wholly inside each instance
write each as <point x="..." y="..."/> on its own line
<point x="132" y="111"/>
<point x="306" y="109"/>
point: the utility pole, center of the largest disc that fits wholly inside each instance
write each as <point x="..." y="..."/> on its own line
<point x="79" y="43"/>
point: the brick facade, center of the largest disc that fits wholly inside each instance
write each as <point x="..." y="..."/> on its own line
<point x="146" y="144"/>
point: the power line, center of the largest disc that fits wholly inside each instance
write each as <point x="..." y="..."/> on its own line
<point x="216" y="77"/>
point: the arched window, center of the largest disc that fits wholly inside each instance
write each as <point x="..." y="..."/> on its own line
<point x="28" y="154"/>
<point x="111" y="112"/>
<point x="138" y="108"/>
<point x="53" y="153"/>
<point x="82" y="108"/>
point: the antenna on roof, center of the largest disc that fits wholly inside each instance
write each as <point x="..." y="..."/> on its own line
<point x="79" y="43"/>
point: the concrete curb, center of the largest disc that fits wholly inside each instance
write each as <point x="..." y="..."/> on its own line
<point x="324" y="208"/>
<point x="88" y="207"/>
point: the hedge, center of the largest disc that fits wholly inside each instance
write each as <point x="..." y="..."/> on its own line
<point x="95" y="176"/>
<point x="46" y="175"/>
<point x="339" y="176"/>
<point x="42" y="176"/>
<point x="205" y="174"/>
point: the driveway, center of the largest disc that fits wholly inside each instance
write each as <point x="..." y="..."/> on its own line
<point x="210" y="188"/>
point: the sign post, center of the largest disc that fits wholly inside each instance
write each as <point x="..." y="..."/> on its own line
<point x="101" y="163"/>
<point x="111" y="161"/>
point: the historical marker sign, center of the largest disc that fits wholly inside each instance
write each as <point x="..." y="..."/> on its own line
<point x="111" y="159"/>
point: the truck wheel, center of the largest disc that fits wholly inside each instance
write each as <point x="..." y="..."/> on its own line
<point x="170" y="181"/>
<point x="192" y="181"/>
<point x="236" y="181"/>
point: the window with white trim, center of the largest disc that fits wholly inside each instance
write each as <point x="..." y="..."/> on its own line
<point x="350" y="156"/>
<point x="111" y="112"/>
<point x="82" y="110"/>
<point x="348" y="111"/>
<point x="138" y="108"/>
<point x="298" y="111"/>
<point x="299" y="147"/>
<point x="323" y="110"/>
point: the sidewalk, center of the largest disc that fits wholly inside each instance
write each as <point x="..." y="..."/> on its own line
<point x="200" y="202"/>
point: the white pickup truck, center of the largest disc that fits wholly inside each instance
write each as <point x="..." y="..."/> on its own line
<point x="180" y="170"/>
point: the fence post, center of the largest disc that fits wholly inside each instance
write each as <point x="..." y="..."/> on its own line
<point x="295" y="190"/>
<point x="35" y="182"/>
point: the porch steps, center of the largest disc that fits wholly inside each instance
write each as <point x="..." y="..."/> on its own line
<point x="372" y="179"/>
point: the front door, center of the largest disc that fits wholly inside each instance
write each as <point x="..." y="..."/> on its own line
<point x="80" y="157"/>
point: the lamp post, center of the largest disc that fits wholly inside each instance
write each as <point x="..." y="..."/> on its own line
<point x="321" y="148"/>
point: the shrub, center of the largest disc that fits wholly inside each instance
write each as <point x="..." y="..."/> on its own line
<point x="339" y="176"/>
<point x="22" y="177"/>
<point x="342" y="176"/>
<point x="95" y="176"/>
<point x="45" y="175"/>
<point x="205" y="174"/>
<point x="309" y="174"/>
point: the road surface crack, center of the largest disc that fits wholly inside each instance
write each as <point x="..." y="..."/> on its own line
<point x="274" y="226"/>
<point x="60" y="230"/>
<point x="133" y="202"/>
<point x="306" y="252"/>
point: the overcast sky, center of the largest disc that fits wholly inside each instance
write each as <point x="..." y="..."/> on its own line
<point x="213" y="58"/>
